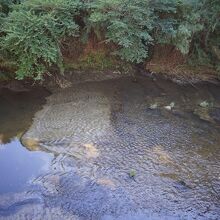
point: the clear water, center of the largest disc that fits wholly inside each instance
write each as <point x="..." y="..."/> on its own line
<point x="18" y="165"/>
<point x="97" y="151"/>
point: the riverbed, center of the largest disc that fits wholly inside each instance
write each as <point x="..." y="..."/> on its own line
<point x="128" y="148"/>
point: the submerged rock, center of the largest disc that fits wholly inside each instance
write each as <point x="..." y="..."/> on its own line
<point x="153" y="106"/>
<point x="172" y="104"/>
<point x="170" y="107"/>
<point x="204" y="104"/>
<point x="181" y="185"/>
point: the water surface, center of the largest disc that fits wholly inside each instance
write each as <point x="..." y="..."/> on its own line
<point x="18" y="165"/>
<point x="99" y="151"/>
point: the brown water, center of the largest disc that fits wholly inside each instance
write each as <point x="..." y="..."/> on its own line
<point x="97" y="151"/>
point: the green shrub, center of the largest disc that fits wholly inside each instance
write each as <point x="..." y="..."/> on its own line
<point x="206" y="43"/>
<point x="176" y="22"/>
<point x="33" y="32"/>
<point x="127" y="24"/>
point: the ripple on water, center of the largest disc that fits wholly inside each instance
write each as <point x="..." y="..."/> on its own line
<point x="100" y="131"/>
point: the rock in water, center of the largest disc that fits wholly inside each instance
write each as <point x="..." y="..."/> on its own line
<point x="204" y="104"/>
<point x="168" y="107"/>
<point x="153" y="106"/>
<point x="172" y="104"/>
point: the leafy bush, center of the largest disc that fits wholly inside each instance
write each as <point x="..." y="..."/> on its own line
<point x="176" y="22"/>
<point x="33" y="32"/>
<point x="206" y="43"/>
<point x="127" y="24"/>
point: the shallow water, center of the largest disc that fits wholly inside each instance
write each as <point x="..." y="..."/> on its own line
<point x="18" y="165"/>
<point x="102" y="153"/>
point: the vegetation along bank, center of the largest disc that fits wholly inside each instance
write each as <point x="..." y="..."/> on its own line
<point x="42" y="38"/>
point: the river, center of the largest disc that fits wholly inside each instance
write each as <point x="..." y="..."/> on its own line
<point x="112" y="150"/>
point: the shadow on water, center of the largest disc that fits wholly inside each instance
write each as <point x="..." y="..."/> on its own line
<point x="114" y="156"/>
<point x="18" y="165"/>
<point x="17" y="110"/>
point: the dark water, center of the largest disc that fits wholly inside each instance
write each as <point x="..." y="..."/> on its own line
<point x="18" y="165"/>
<point x="97" y="151"/>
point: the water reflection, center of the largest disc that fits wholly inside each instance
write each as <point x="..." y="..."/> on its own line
<point x="104" y="130"/>
<point x="18" y="166"/>
<point x="17" y="110"/>
<point x="99" y="132"/>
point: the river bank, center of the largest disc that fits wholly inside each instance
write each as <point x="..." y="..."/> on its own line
<point x="73" y="76"/>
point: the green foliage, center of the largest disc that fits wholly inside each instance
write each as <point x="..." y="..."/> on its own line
<point x="97" y="60"/>
<point x="127" y="24"/>
<point x="206" y="45"/>
<point x="132" y="173"/>
<point x="31" y="31"/>
<point x="6" y="4"/>
<point x="176" y="22"/>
